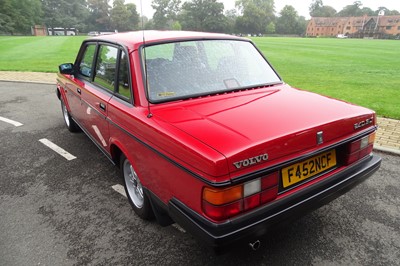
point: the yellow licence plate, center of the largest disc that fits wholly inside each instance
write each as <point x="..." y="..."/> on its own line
<point x="298" y="172"/>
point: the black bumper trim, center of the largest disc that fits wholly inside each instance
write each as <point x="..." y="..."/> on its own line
<point x="257" y="223"/>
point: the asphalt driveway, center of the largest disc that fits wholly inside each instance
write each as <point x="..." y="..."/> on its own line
<point x="59" y="211"/>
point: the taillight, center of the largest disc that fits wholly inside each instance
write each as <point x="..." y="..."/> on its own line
<point x="358" y="149"/>
<point x="221" y="204"/>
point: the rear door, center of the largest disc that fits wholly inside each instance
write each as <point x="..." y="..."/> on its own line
<point x="98" y="93"/>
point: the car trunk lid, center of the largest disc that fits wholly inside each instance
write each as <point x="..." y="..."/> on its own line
<point x="255" y="127"/>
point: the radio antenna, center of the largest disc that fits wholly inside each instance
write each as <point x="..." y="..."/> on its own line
<point x="149" y="115"/>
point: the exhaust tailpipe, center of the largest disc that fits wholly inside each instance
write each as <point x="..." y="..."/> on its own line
<point x="255" y="245"/>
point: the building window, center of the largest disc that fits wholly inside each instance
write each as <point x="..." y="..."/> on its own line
<point x="317" y="29"/>
<point x="388" y="27"/>
<point x="398" y="27"/>
<point x="348" y="27"/>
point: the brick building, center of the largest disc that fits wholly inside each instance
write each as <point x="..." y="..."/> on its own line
<point x="358" y="27"/>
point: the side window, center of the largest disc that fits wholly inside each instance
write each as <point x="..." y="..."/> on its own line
<point x="123" y="77"/>
<point x="85" y="66"/>
<point x="106" y="67"/>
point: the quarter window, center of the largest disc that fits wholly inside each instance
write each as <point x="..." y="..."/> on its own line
<point x="123" y="77"/>
<point x="106" y="67"/>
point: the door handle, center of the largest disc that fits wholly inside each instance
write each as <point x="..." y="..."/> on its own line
<point x="102" y="106"/>
<point x="78" y="90"/>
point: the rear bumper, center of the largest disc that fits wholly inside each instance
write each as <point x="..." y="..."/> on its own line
<point x="257" y="223"/>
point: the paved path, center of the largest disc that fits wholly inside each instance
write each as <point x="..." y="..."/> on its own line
<point x="387" y="138"/>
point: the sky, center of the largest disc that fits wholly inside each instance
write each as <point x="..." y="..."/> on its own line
<point x="300" y="5"/>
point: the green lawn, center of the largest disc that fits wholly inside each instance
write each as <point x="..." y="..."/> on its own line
<point x="364" y="72"/>
<point x="38" y="54"/>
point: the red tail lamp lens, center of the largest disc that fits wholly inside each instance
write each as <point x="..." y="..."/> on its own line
<point x="360" y="148"/>
<point x="222" y="204"/>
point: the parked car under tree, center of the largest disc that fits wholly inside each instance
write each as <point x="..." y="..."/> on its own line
<point x="207" y="135"/>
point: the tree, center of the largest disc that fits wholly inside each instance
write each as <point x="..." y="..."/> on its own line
<point x="353" y="10"/>
<point x="176" y="26"/>
<point x="302" y="25"/>
<point x="124" y="17"/>
<point x="367" y="11"/>
<point x="133" y="19"/>
<point x="318" y="9"/>
<point x="119" y="16"/>
<point x="203" y="15"/>
<point x="315" y="6"/>
<point x="166" y="12"/>
<point x="271" y="28"/>
<point x="231" y="16"/>
<point x="17" y="16"/>
<point x="386" y="11"/>
<point x="99" y="18"/>
<point x="65" y="13"/>
<point x="289" y="21"/>
<point x="7" y="18"/>
<point x="256" y="15"/>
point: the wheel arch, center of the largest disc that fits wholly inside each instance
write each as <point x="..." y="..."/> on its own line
<point x="116" y="151"/>
<point x="160" y="210"/>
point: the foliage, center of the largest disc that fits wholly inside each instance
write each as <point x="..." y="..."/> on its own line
<point x="176" y="26"/>
<point x="256" y="14"/>
<point x="353" y="10"/>
<point x="386" y="11"/>
<point x="65" y="13"/>
<point x="17" y="16"/>
<point x="166" y="12"/>
<point x="289" y="22"/>
<point x="230" y="16"/>
<point x="99" y="18"/>
<point x="203" y="15"/>
<point x="318" y="9"/>
<point x="271" y="28"/>
<point x="124" y="17"/>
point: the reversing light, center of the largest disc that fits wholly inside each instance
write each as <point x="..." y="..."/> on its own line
<point x="221" y="204"/>
<point x="252" y="187"/>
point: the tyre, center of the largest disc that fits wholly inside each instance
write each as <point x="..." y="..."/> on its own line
<point x="69" y="122"/>
<point x="134" y="190"/>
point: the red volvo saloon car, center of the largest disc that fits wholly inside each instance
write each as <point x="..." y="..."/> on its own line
<point x="206" y="134"/>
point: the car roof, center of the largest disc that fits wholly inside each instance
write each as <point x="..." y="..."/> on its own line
<point x="134" y="39"/>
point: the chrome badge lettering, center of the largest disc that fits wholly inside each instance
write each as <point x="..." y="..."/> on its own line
<point x="363" y="123"/>
<point x="251" y="161"/>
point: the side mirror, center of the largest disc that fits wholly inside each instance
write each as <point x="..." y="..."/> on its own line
<point x="67" y="68"/>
